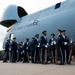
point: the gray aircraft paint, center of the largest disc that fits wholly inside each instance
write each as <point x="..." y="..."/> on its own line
<point x="49" y="19"/>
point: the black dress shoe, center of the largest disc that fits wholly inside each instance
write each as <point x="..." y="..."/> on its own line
<point x="42" y="62"/>
<point x="5" y="62"/>
<point x="60" y="64"/>
<point x="45" y="63"/>
<point x="23" y="61"/>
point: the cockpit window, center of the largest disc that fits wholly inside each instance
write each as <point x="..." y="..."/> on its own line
<point x="21" y="12"/>
<point x="57" y="5"/>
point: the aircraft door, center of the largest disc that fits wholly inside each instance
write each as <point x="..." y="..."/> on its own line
<point x="11" y="36"/>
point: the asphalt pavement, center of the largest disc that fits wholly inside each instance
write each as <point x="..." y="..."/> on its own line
<point x="36" y="69"/>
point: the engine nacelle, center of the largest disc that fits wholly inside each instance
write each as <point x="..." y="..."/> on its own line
<point x="12" y="15"/>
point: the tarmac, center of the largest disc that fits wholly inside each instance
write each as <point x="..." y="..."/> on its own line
<point x="36" y="69"/>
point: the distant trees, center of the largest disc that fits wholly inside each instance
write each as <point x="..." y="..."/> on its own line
<point x="1" y="54"/>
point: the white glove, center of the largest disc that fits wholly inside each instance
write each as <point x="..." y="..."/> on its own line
<point x="46" y="46"/>
<point x="51" y="43"/>
<point x="17" y="51"/>
<point x="38" y="46"/>
<point x="26" y="47"/>
<point x="54" y="42"/>
<point x="71" y="41"/>
<point x="65" y="43"/>
<point x="23" y="51"/>
<point x="9" y="49"/>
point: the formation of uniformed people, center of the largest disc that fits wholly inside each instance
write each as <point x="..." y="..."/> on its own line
<point x="37" y="50"/>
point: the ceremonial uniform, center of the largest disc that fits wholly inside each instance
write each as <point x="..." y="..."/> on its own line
<point x="20" y="49"/>
<point x="43" y="46"/>
<point x="7" y="46"/>
<point x="59" y="47"/>
<point x="26" y="50"/>
<point x="32" y="49"/>
<point x="37" y="49"/>
<point x="52" y="43"/>
<point x="65" y="42"/>
<point x="14" y="50"/>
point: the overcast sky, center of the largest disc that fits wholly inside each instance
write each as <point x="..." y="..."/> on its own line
<point x="30" y="6"/>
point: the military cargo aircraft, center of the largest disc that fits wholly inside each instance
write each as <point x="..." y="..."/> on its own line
<point x="21" y="25"/>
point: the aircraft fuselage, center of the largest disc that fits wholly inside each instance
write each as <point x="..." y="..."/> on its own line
<point x="50" y="19"/>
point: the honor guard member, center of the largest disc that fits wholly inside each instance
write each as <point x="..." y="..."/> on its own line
<point x="6" y="54"/>
<point x="43" y="46"/>
<point x="20" y="49"/>
<point x="37" y="49"/>
<point x="59" y="46"/>
<point x="26" y="50"/>
<point x="14" y="50"/>
<point x="32" y="49"/>
<point x="52" y="43"/>
<point x="65" y="48"/>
